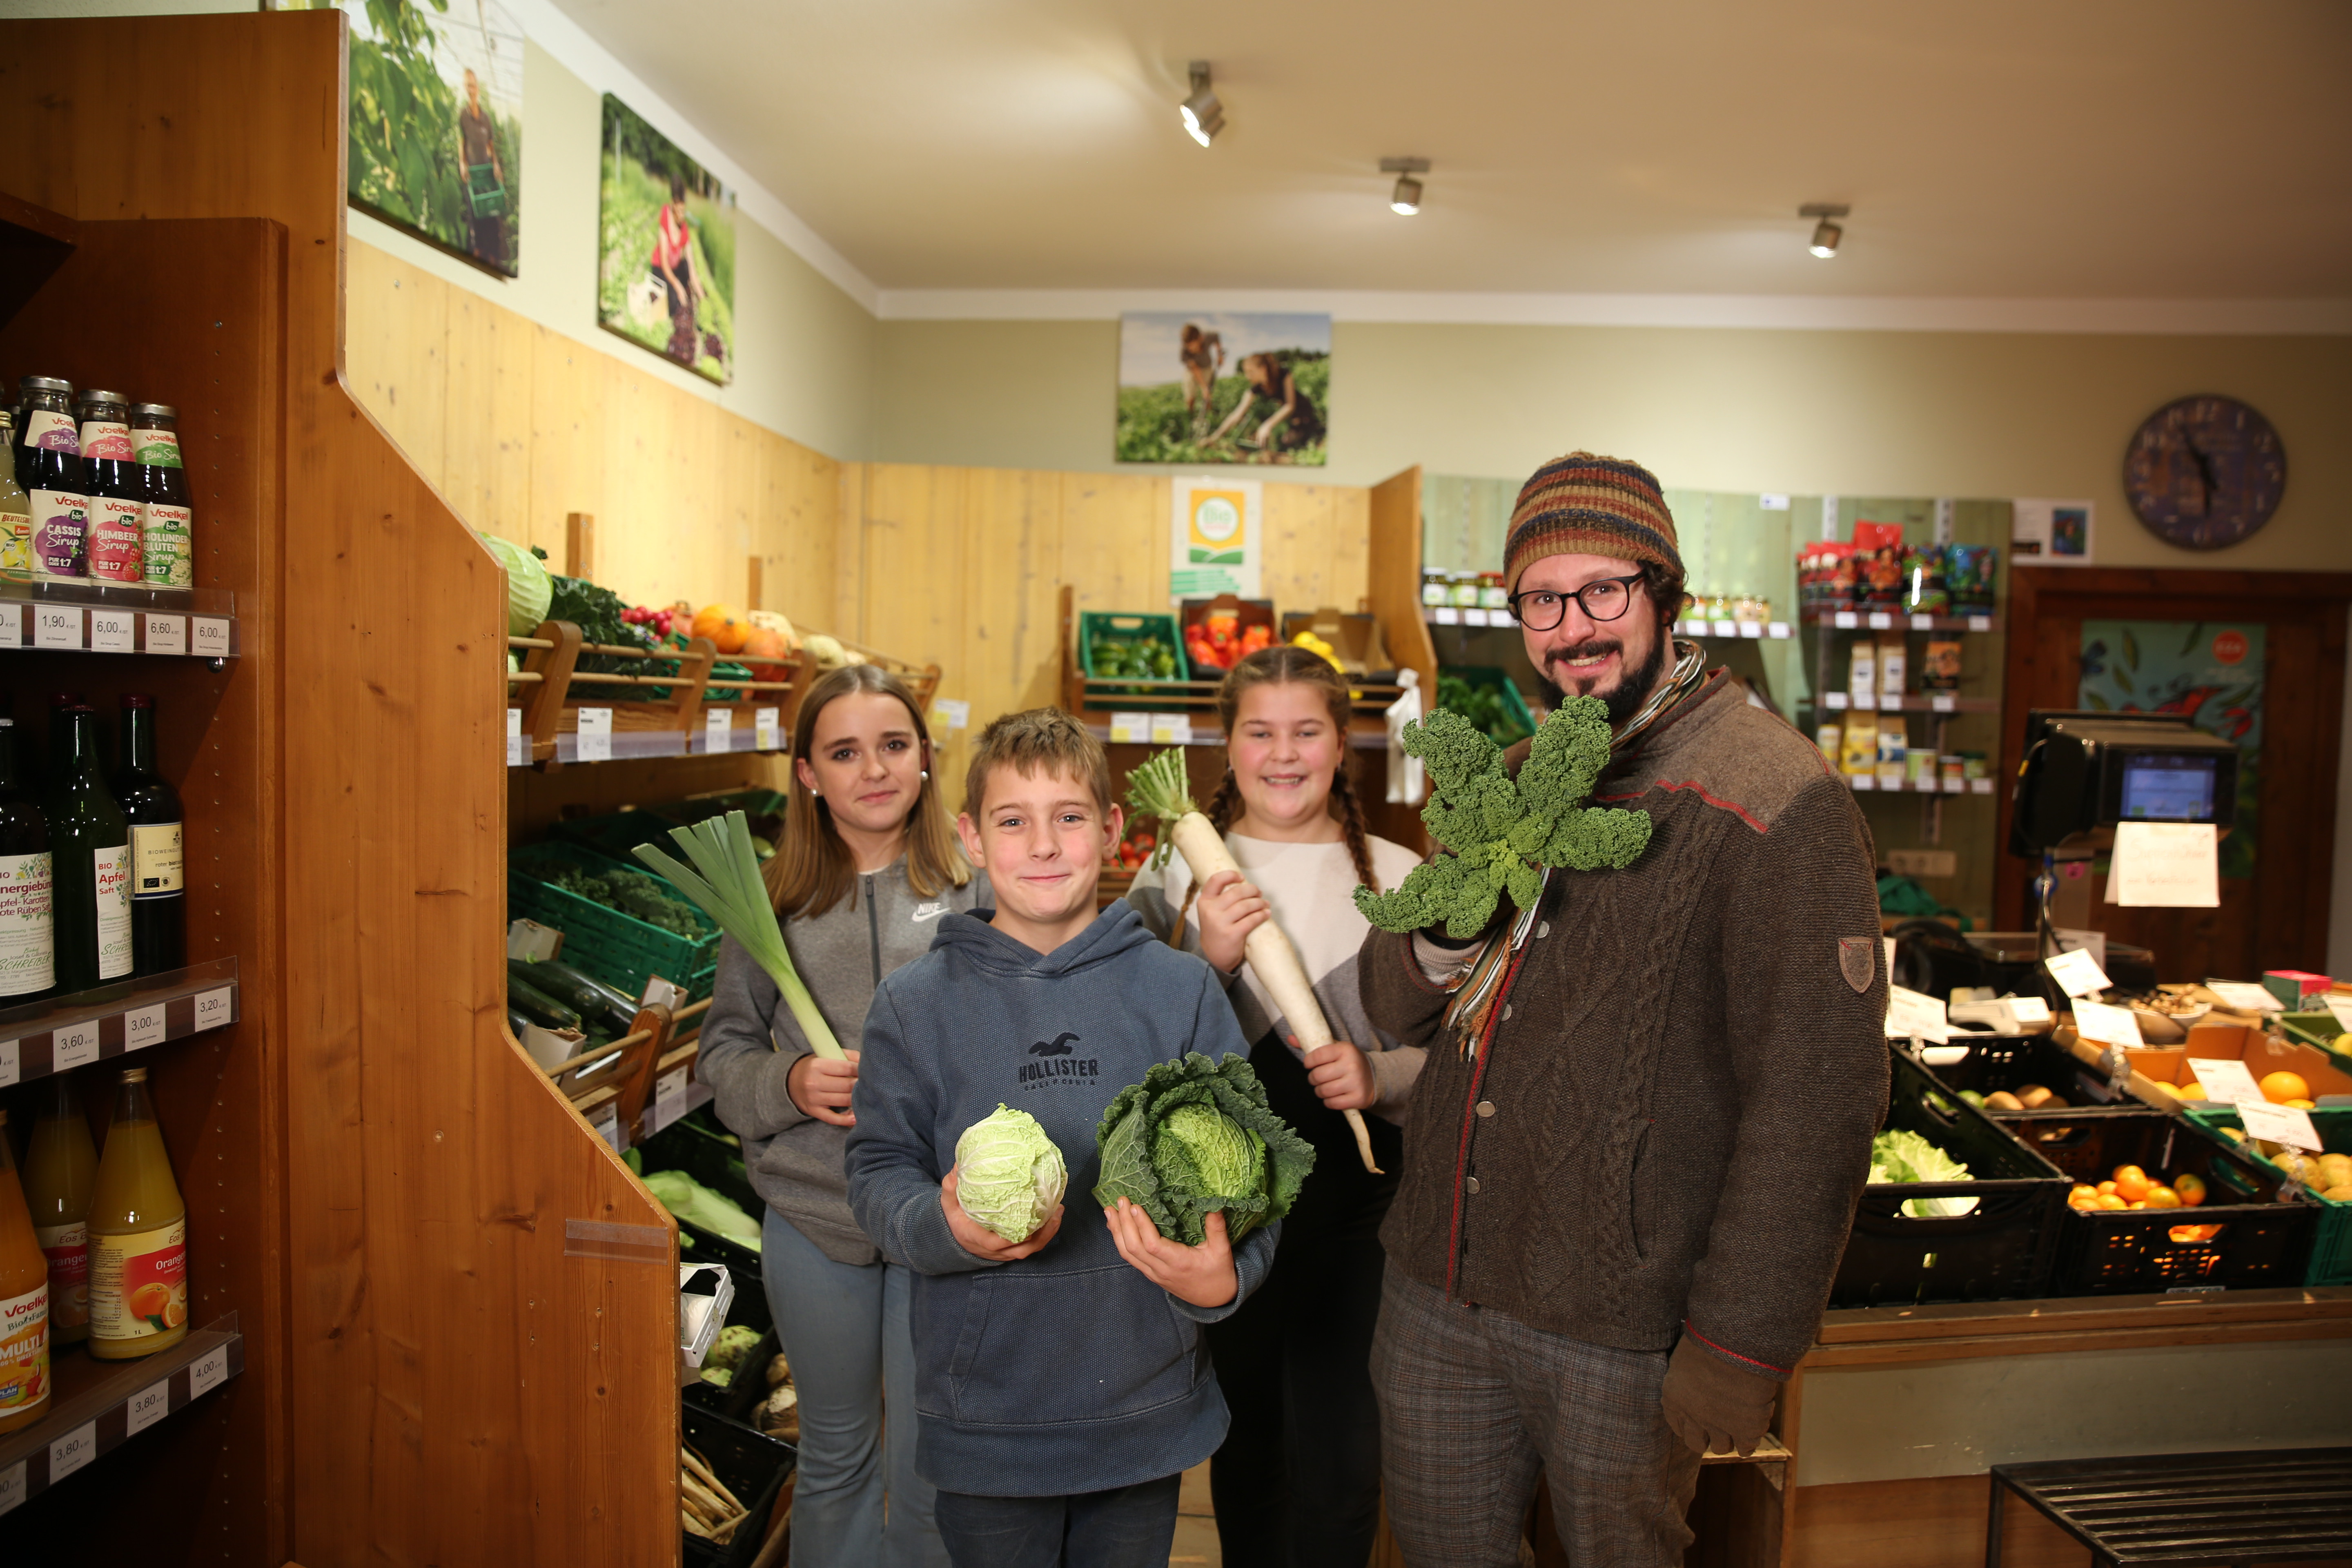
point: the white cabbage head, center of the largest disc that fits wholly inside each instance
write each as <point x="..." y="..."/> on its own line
<point x="1009" y="1175"/>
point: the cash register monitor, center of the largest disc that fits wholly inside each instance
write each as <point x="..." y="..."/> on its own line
<point x="2085" y="771"/>
<point x="2167" y="786"/>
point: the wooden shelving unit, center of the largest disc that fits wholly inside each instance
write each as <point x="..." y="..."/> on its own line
<point x="99" y="1405"/>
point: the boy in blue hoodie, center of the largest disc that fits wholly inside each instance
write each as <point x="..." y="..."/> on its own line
<point x="1063" y="1384"/>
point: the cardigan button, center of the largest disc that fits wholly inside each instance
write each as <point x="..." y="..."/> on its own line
<point x="1486" y="1107"/>
<point x="1473" y="1185"/>
<point x="1543" y="928"/>
<point x="1506" y="1011"/>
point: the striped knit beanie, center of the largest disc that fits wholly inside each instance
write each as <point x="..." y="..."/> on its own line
<point x="1588" y="505"/>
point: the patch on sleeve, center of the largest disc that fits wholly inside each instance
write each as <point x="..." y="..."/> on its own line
<point x="1855" y="961"/>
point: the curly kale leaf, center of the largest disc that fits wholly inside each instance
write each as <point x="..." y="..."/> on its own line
<point x="1164" y="1173"/>
<point x="1499" y="829"/>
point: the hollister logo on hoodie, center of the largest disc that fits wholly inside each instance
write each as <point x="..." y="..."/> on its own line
<point x="1058" y="1063"/>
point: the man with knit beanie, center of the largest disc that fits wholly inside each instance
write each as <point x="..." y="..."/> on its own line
<point x="1635" y="1149"/>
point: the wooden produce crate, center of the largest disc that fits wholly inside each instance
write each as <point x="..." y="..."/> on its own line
<point x="1096" y="699"/>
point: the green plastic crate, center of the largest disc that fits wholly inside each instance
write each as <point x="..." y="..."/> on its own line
<point x="618" y="949"/>
<point x="1489" y="678"/>
<point x="1099" y="628"/>
<point x="2331" y="1244"/>
<point x="2321" y="1031"/>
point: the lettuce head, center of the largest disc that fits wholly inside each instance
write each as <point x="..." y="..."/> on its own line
<point x="1197" y="1136"/>
<point x="1009" y="1175"/>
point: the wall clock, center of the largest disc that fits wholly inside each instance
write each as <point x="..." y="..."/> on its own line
<point x="2205" y="472"/>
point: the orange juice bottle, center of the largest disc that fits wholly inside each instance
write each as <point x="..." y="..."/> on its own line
<point x="23" y="1303"/>
<point x="138" y="1235"/>
<point x="61" y="1171"/>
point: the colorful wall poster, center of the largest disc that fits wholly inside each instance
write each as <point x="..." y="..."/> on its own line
<point x="1224" y="387"/>
<point x="1217" y="539"/>
<point x="2204" y="671"/>
<point x="2050" y="533"/>
<point x="435" y="133"/>
<point x="665" y="268"/>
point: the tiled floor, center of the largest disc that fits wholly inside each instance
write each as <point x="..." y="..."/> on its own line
<point x="1196" y="1524"/>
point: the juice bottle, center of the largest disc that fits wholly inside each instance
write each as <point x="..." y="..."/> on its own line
<point x="138" y="1235"/>
<point x="24" y="1304"/>
<point x="60" y="1174"/>
<point x="111" y="485"/>
<point x="16" y="508"/>
<point x="51" y="473"/>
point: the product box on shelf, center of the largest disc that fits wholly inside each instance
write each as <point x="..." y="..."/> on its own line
<point x="2331" y="1238"/>
<point x="2004" y="1247"/>
<point x="2297" y="989"/>
<point x="616" y="947"/>
<point x="2241" y="1236"/>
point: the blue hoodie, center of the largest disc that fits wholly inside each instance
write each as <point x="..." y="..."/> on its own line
<point x="1067" y="1371"/>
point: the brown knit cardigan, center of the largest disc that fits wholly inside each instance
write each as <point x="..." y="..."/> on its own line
<point x="1669" y="1120"/>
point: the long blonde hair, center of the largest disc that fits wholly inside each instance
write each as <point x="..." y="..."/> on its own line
<point x="812" y="870"/>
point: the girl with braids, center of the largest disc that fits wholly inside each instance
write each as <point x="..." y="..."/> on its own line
<point x="1298" y="1480"/>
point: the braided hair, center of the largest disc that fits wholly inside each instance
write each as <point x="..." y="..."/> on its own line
<point x="1287" y="664"/>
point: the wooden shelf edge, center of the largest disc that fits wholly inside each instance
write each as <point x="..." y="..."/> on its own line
<point x="97" y="1420"/>
<point x="1951" y="1331"/>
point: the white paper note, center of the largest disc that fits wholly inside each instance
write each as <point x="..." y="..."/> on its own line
<point x="955" y="713"/>
<point x="1171" y="730"/>
<point x="2279" y="1124"/>
<point x="2031" y="1011"/>
<point x="1131" y="729"/>
<point x="514" y="736"/>
<point x="594" y="740"/>
<point x="2077" y="972"/>
<point x="2108" y="1025"/>
<point x="2244" y="996"/>
<point x="2224" y="1080"/>
<point x="1913" y="1016"/>
<point x="2167" y="865"/>
<point x="765" y="733"/>
<point x="718" y="731"/>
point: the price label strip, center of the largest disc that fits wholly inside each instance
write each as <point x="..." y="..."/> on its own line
<point x="208" y="638"/>
<point x="215" y="1008"/>
<point x="73" y="1047"/>
<point x="167" y="634"/>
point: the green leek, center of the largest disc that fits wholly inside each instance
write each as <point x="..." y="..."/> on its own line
<point x="731" y="891"/>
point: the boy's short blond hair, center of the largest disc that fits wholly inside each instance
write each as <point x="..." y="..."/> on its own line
<point x="1040" y="738"/>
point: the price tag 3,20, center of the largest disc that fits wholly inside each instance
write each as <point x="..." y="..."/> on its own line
<point x="215" y="1008"/>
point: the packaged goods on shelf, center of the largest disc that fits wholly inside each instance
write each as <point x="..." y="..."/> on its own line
<point x="1894" y="665"/>
<point x="25" y="1372"/>
<point x="1939" y="671"/>
<point x="60" y="1180"/>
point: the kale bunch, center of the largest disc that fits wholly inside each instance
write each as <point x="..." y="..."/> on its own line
<point x="1501" y="829"/>
<point x="633" y="894"/>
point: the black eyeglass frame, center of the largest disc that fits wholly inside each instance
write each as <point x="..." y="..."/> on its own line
<point x="1624" y="582"/>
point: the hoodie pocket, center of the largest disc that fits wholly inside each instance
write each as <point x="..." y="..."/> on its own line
<point x="1034" y="1349"/>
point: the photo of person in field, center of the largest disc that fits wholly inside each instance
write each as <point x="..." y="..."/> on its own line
<point x="1178" y="404"/>
<point x="666" y="280"/>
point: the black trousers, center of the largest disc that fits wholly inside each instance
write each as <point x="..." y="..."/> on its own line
<point x="1298" y="1482"/>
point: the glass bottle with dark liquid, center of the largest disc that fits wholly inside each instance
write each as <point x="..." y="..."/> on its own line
<point x="159" y="896"/>
<point x="28" y="919"/>
<point x="110" y="483"/>
<point x="90" y="848"/>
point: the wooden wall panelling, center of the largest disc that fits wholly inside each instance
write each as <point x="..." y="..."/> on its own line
<point x="487" y="421"/>
<point x="399" y="349"/>
<point x="567" y="444"/>
<point x="1115" y="539"/>
<point x="1317" y="544"/>
<point x="459" y="1389"/>
<point x="209" y="341"/>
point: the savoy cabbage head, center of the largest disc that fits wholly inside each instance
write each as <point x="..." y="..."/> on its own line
<point x="1196" y="1136"/>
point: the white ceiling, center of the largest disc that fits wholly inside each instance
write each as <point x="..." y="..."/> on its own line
<point x="2012" y="149"/>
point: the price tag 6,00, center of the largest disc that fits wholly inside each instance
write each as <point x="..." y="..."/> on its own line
<point x="114" y="631"/>
<point x="167" y="634"/>
<point x="208" y="638"/>
<point x="208" y="1371"/>
<point x="56" y="626"/>
<point x="215" y="1008"/>
<point x="74" y="1047"/>
<point x="143" y="1027"/>
<point x="147" y="1407"/>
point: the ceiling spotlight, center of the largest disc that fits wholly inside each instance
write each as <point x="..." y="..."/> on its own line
<point x="1826" y="233"/>
<point x="1203" y="115"/>
<point x="1405" y="199"/>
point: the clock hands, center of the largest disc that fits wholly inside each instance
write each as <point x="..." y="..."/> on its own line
<point x="2208" y="484"/>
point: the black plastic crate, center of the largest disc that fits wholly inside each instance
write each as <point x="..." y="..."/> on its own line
<point x="701" y="1146"/>
<point x="2009" y="1062"/>
<point x="754" y="1466"/>
<point x="2256" y="1242"/>
<point x="2004" y="1248"/>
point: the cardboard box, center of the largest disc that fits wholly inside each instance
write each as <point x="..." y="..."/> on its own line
<point x="2158" y="1065"/>
<point x="1362" y="650"/>
<point x="2294" y="987"/>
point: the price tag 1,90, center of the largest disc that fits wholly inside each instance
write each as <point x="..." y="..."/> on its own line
<point x="167" y="634"/>
<point x="595" y="737"/>
<point x="215" y="1008"/>
<point x="72" y="1451"/>
<point x="74" y="1047"/>
<point x="208" y="638"/>
<point x="114" y="631"/>
<point x="718" y="731"/>
<point x="765" y="733"/>
<point x="56" y="626"/>
<point x="208" y="1371"/>
<point x="146" y="1407"/>
<point x="143" y="1026"/>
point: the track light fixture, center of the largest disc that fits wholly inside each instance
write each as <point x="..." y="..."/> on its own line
<point x="1826" y="232"/>
<point x="1404" y="200"/>
<point x="1203" y="115"/>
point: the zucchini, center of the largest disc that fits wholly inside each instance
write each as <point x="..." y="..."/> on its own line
<point x="587" y="996"/>
<point x="539" y="1006"/>
<point x="517" y="1021"/>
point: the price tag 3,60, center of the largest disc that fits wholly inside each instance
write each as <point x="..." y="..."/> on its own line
<point x="56" y="626"/>
<point x="143" y="1027"/>
<point x="208" y="638"/>
<point x="718" y="731"/>
<point x="114" y="631"/>
<point x="208" y="1371"/>
<point x="73" y="1047"/>
<point x="147" y="1407"/>
<point x="764" y="735"/>
<point x="595" y="737"/>
<point x="167" y="634"/>
<point x="215" y="1008"/>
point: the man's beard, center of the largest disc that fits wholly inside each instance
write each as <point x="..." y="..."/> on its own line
<point x="1625" y="699"/>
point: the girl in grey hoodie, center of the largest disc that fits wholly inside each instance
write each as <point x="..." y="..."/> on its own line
<point x="867" y="869"/>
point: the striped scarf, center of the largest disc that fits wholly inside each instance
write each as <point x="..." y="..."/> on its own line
<point x="1487" y="973"/>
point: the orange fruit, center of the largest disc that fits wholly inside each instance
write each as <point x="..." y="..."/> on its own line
<point x="2300" y="1104"/>
<point x="2191" y="1188"/>
<point x="762" y="651"/>
<point x="2109" y="1201"/>
<point x="2162" y="1197"/>
<point x="2106" y="1188"/>
<point x="2131" y="1182"/>
<point x="2278" y="1088"/>
<point x="2194" y="1232"/>
<point x="151" y="1301"/>
<point x="724" y="626"/>
<point x="2192" y="1089"/>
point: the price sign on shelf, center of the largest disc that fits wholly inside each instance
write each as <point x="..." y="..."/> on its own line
<point x="208" y="1371"/>
<point x="1446" y="616"/>
<point x="1751" y="628"/>
<point x="56" y="626"/>
<point x="215" y="1008"/>
<point x="12" y="1486"/>
<point x="718" y="731"/>
<point x="595" y="737"/>
<point x="1171" y="730"/>
<point x="2077" y="972"/>
<point x="72" y="1451"/>
<point x="8" y="1063"/>
<point x="2278" y="1124"/>
<point x="608" y="1127"/>
<point x="765" y="736"/>
<point x="1846" y="620"/>
<point x="1835" y="700"/>
<point x="12" y="626"/>
<point x="208" y="638"/>
<point x="1923" y="623"/>
<point x="73" y="1047"/>
<point x="514" y="736"/>
<point x="1979" y="786"/>
<point x="1979" y="622"/>
<point x="1943" y="703"/>
<point x="1694" y="628"/>
<point x="1881" y="620"/>
<point x="670" y="1100"/>
<point x="114" y="631"/>
<point x="1131" y="729"/>
<point x="146" y="1407"/>
<point x="1474" y="618"/>
<point x="167" y="634"/>
<point x="2108" y="1025"/>
<point x="142" y="1026"/>
<point x="1779" y="629"/>
<point x="2225" y="1080"/>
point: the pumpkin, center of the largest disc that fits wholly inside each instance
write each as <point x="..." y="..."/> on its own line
<point x="724" y="626"/>
<point x="762" y="651"/>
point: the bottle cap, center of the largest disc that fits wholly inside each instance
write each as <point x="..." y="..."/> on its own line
<point x="94" y="395"/>
<point x="7" y="419"/>
<point x="134" y="1075"/>
<point x="43" y="384"/>
<point x="153" y="411"/>
<point x="137" y="699"/>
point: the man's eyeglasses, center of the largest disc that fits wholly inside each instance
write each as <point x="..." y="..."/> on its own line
<point x="1603" y="599"/>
